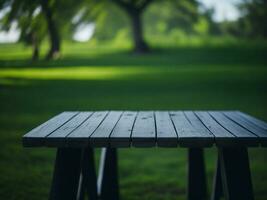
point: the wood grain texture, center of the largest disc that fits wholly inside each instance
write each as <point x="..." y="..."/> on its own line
<point x="80" y="136"/>
<point x="222" y="136"/>
<point x="188" y="135"/>
<point x="193" y="129"/>
<point x="258" y="131"/>
<point x="166" y="134"/>
<point x="144" y="132"/>
<point x="254" y="120"/>
<point x="36" y="137"/>
<point x="100" y="137"/>
<point x="208" y="137"/>
<point x="244" y="136"/>
<point x="58" y="137"/>
<point x="121" y="134"/>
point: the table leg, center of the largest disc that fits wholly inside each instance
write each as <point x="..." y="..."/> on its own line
<point x="66" y="174"/>
<point x="217" y="191"/>
<point x="108" y="187"/>
<point x="197" y="188"/>
<point x="235" y="173"/>
<point x="88" y="176"/>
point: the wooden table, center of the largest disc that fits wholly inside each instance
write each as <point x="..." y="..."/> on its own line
<point x="76" y="134"/>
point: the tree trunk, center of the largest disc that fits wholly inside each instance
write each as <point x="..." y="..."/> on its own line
<point x="35" y="53"/>
<point x="54" y="51"/>
<point x="140" y="45"/>
<point x="35" y="46"/>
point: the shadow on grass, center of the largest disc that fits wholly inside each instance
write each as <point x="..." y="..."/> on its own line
<point x="227" y="55"/>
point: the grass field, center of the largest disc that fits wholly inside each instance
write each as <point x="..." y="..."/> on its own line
<point x="98" y="78"/>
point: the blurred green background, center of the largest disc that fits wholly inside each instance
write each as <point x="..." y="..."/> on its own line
<point x="182" y="58"/>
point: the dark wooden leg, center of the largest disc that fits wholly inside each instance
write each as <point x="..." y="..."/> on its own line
<point x="108" y="187"/>
<point x="88" y="176"/>
<point x="197" y="188"/>
<point x="66" y="174"/>
<point x="235" y="173"/>
<point x="217" y="191"/>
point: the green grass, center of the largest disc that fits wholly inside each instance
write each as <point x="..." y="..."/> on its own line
<point x="98" y="78"/>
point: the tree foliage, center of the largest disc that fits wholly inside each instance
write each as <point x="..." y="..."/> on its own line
<point x="254" y="18"/>
<point x="165" y="16"/>
<point x="41" y="19"/>
<point x="31" y="24"/>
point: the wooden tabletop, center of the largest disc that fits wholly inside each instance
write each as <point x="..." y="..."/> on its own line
<point x="149" y="128"/>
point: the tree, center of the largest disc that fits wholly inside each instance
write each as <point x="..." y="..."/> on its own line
<point x="135" y="9"/>
<point x="40" y="18"/>
<point x="32" y="32"/>
<point x="28" y="21"/>
<point x="58" y="14"/>
<point x="52" y="29"/>
<point x="254" y="17"/>
<point x="109" y="20"/>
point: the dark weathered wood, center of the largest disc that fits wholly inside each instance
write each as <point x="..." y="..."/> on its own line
<point x="222" y="136"/>
<point x="244" y="136"/>
<point x="217" y="190"/>
<point x="66" y="174"/>
<point x="121" y="134"/>
<point x="88" y="182"/>
<point x="58" y="137"/>
<point x="166" y="134"/>
<point x="100" y="137"/>
<point x="108" y="183"/>
<point x="36" y="137"/>
<point x="254" y="120"/>
<point x="144" y="133"/>
<point x="236" y="178"/>
<point x="80" y="136"/>
<point x="187" y="134"/>
<point x="147" y="129"/>
<point x="260" y="132"/>
<point x="208" y="137"/>
<point x="197" y="186"/>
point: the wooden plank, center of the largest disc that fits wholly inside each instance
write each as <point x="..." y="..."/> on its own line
<point x="144" y="132"/>
<point x="80" y="136"/>
<point x="121" y="134"/>
<point x="243" y="135"/>
<point x="222" y="136"/>
<point x="36" y="137"/>
<point x="253" y="120"/>
<point x="261" y="133"/>
<point x="100" y="137"/>
<point x="58" y="137"/>
<point x="166" y="134"/>
<point x="200" y="128"/>
<point x="188" y="136"/>
<point x="118" y="129"/>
